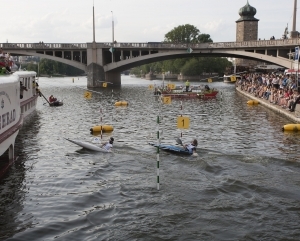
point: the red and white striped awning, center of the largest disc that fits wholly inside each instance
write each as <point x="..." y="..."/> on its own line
<point x="290" y="71"/>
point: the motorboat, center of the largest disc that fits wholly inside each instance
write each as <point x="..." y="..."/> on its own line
<point x="231" y="78"/>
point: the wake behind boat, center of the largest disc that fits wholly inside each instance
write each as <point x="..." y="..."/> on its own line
<point x="88" y="145"/>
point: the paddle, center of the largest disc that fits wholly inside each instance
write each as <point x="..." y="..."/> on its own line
<point x="179" y="141"/>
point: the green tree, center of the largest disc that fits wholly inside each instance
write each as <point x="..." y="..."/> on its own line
<point x="51" y="67"/>
<point x="30" y="66"/>
<point x="192" y="67"/>
<point x="204" y="38"/>
<point x="183" y="34"/>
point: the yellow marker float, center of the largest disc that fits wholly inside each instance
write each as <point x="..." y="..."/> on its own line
<point x="252" y="102"/>
<point x="121" y="103"/>
<point x="291" y="127"/>
<point x="103" y="128"/>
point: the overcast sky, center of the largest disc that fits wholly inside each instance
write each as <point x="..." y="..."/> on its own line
<point x="71" y="21"/>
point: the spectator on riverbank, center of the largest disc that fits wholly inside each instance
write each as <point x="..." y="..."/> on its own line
<point x="294" y="101"/>
<point x="278" y="89"/>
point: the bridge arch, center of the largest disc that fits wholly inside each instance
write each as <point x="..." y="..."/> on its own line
<point x="146" y="59"/>
<point x="45" y="56"/>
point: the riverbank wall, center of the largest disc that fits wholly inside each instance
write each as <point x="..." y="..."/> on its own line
<point x="293" y="116"/>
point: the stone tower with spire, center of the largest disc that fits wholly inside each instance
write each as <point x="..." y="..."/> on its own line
<point x="247" y="24"/>
<point x="246" y="29"/>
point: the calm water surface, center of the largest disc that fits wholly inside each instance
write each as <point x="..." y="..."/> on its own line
<point x="244" y="185"/>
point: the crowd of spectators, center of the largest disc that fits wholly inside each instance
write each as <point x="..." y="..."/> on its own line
<point x="277" y="88"/>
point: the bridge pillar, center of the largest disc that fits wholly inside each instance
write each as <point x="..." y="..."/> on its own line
<point x="95" y="75"/>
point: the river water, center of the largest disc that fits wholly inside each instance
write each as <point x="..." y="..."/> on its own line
<point x="244" y="185"/>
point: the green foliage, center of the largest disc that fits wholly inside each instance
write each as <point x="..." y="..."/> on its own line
<point x="186" y="66"/>
<point x="183" y="34"/>
<point x="51" y="67"/>
<point x="192" y="67"/>
<point x="204" y="38"/>
<point x="30" y="67"/>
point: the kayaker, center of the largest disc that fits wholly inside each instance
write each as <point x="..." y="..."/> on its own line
<point x="52" y="99"/>
<point x="108" y="145"/>
<point x="191" y="147"/>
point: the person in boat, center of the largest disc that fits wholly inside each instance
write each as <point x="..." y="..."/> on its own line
<point x="22" y="88"/>
<point x="52" y="99"/>
<point x="206" y="87"/>
<point x="157" y="91"/>
<point x="191" y="147"/>
<point x="33" y="87"/>
<point x="108" y="145"/>
<point x="187" y="86"/>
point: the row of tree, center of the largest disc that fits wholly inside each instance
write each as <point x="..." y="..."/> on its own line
<point x="186" y="66"/>
<point x="51" y="68"/>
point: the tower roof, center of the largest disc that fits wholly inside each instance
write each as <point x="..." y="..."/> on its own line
<point x="247" y="13"/>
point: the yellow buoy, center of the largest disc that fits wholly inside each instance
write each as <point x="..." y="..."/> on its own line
<point x="291" y="127"/>
<point x="104" y="128"/>
<point x="121" y="103"/>
<point x="252" y="102"/>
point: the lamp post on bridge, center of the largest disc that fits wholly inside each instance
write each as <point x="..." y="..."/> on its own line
<point x="113" y="37"/>
<point x="112" y="22"/>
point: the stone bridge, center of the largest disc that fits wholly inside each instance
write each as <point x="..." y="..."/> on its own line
<point x="105" y="61"/>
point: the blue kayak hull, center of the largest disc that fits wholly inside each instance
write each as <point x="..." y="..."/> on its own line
<point x="171" y="148"/>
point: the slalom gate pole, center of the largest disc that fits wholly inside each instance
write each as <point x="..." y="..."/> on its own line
<point x="158" y="141"/>
<point x="181" y="108"/>
<point x="101" y="122"/>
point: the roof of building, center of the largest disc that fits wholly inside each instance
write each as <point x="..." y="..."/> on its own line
<point x="247" y="13"/>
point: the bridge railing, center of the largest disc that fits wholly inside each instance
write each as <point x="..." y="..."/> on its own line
<point x="44" y="45"/>
<point x="244" y="44"/>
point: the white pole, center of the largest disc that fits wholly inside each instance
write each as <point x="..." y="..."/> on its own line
<point x="112" y="19"/>
<point x="113" y="37"/>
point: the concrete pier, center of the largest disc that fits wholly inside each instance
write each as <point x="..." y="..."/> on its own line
<point x="95" y="75"/>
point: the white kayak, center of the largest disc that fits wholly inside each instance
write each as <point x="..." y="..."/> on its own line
<point x="87" y="145"/>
